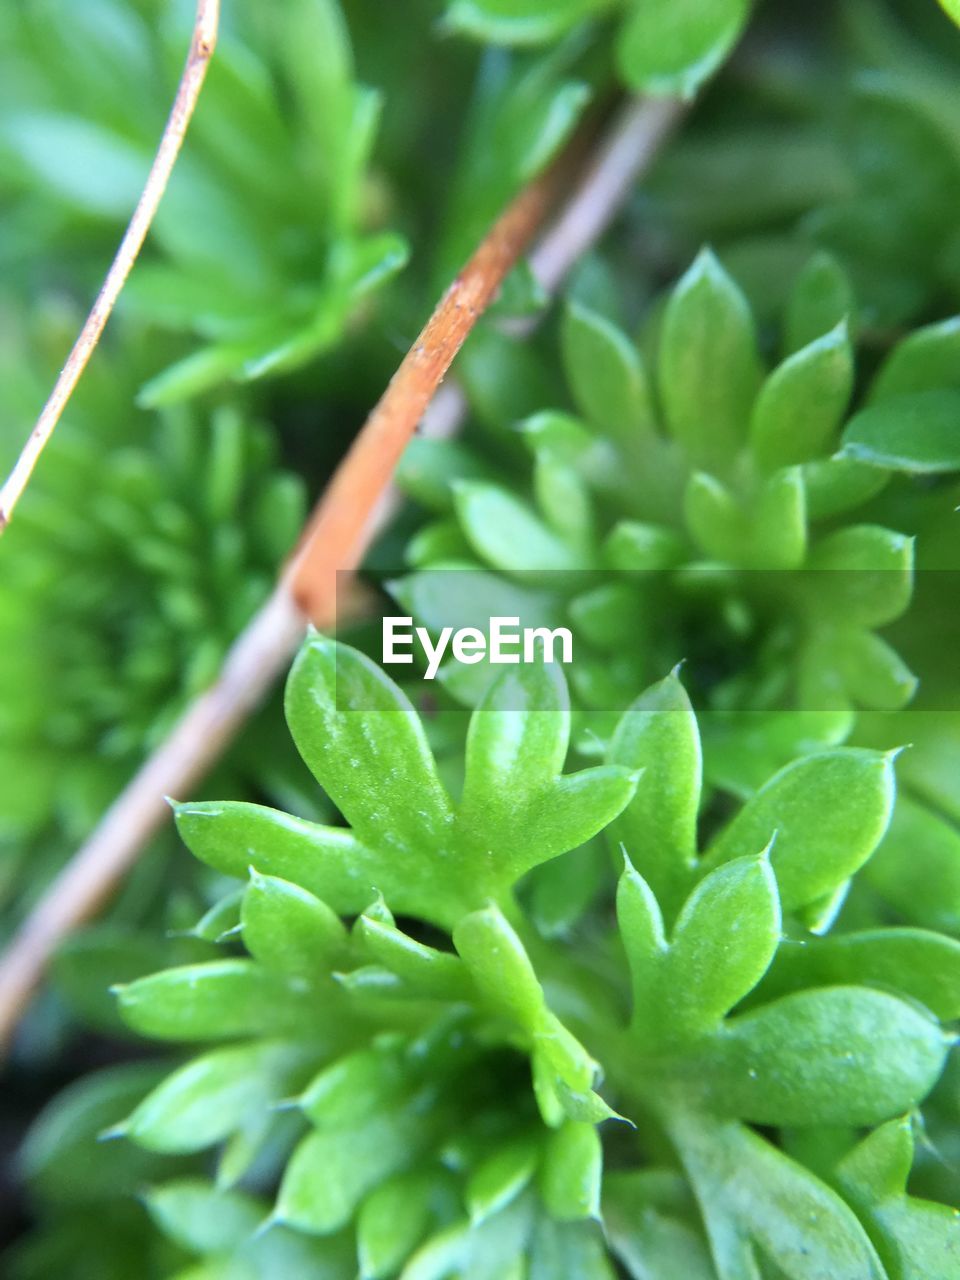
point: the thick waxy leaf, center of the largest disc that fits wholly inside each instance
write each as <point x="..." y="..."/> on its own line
<point x="494" y="1250"/>
<point x="802" y="403"/>
<point x="838" y="484"/>
<point x="915" y="1238"/>
<point x="215" y="1000"/>
<point x="212" y="1096"/>
<point x="354" y="1088"/>
<point x="917" y="867"/>
<point x="916" y="963"/>
<point x="391" y="1223"/>
<point x="202" y="1219"/>
<point x="505" y="533"/>
<point x="331" y="1171"/>
<point x="750" y="1190"/>
<point x="837" y="1056"/>
<point x="672" y="49"/>
<point x="519" y="21"/>
<point x="658" y="829"/>
<point x="427" y="971"/>
<point x="564" y="499"/>
<point x="327" y="861"/>
<point x="575" y="1250"/>
<point x="632" y="546"/>
<point x="778" y="534"/>
<point x="708" y="361"/>
<point x="288" y="929"/>
<point x="926" y="360"/>
<point x="722" y="944"/>
<point x="821" y="298"/>
<point x="825" y="815"/>
<point x="334" y="695"/>
<point x="500" y="967"/>
<point x="606" y="375"/>
<point x="571" y="1172"/>
<point x="860" y="575"/>
<point x="641" y="928"/>
<point x="914" y="433"/>
<point x="501" y="1178"/>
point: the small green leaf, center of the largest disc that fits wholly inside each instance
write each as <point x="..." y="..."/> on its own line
<point x="212" y="1096"/>
<point x="835" y="485"/>
<point x="672" y="49"/>
<point x="289" y="930"/>
<point x="925" y="360"/>
<point x="508" y="535"/>
<point x="658" y="734"/>
<point x="428" y="972"/>
<point x="836" y="1056"/>
<point x="606" y="375"/>
<point x="750" y="1190"/>
<point x="709" y="371"/>
<point x="365" y="745"/>
<point x="716" y="521"/>
<point x="861" y="575"/>
<point x="635" y="547"/>
<point x="641" y="928"/>
<point x="331" y="1171"/>
<point x="564" y="499"/>
<point x="519" y="21"/>
<point x="500" y="967"/>
<point x="201" y="1219"/>
<point x="571" y="1172"/>
<point x="722" y="945"/>
<point x="913" y="433"/>
<point x="916" y="869"/>
<point x="391" y="1223"/>
<point x="327" y="861"/>
<point x="778" y="536"/>
<point x="500" y="1178"/>
<point x="215" y="1000"/>
<point x="821" y="297"/>
<point x="802" y="403"/>
<point x="825" y="815"/>
<point x="354" y="1087"/>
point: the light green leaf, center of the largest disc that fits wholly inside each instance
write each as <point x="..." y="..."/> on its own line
<point x="802" y="403"/>
<point x="519" y="21"/>
<point x="709" y="371"/>
<point x="500" y="1178"/>
<point x="821" y="297"/>
<point x="327" y="861"/>
<point x="606" y="375"/>
<point x="391" y="1223"/>
<point x="508" y="535"/>
<point x="836" y="1056"/>
<point x="201" y="1219"/>
<point x="500" y="967"/>
<point x="913" y="433"/>
<point x="825" y="815"/>
<point x="722" y="945"/>
<point x="658" y="734"/>
<point x="861" y="575"/>
<point x="214" y="1000"/>
<point x="571" y="1173"/>
<point x="289" y="930"/>
<point x="672" y="49"/>
<point x="925" y="360"/>
<point x="212" y="1096"/>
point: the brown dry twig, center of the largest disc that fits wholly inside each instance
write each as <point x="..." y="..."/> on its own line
<point x="202" y="46"/>
<point x="344" y="522"/>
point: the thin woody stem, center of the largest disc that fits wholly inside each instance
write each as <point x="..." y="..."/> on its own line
<point x="188" y="92"/>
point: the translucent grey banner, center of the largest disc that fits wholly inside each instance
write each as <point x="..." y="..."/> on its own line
<point x="813" y="640"/>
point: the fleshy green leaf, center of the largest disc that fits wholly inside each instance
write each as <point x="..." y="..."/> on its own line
<point x="672" y="49"/>
<point x="860" y="575"/>
<point x="914" y="433"/>
<point x="214" y="1000"/>
<point x="925" y="360"/>
<point x="606" y="375"/>
<point x="825" y="815"/>
<point x="508" y="535"/>
<point x="571" y="1172"/>
<point x="658" y="828"/>
<point x="722" y="944"/>
<point x="202" y="1219"/>
<point x="820" y="299"/>
<point x="836" y="1056"/>
<point x="709" y="372"/>
<point x="802" y="403"/>
<point x="501" y="1178"/>
<point x="288" y="929"/>
<point x="391" y="1223"/>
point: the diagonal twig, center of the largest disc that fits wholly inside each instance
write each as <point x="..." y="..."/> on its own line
<point x="188" y="92"/>
<point x="345" y="521"/>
